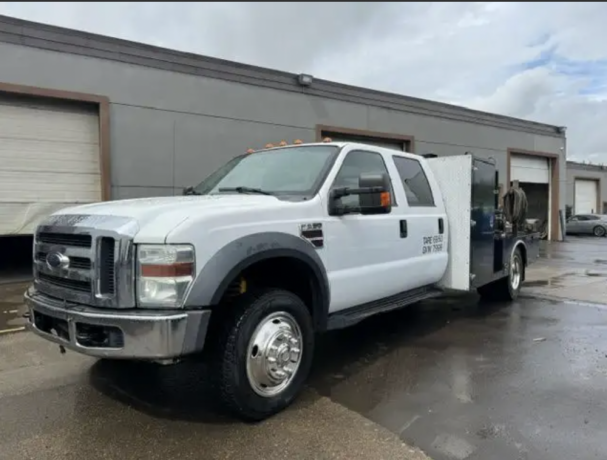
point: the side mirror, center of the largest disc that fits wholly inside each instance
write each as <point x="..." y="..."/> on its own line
<point x="376" y="199"/>
<point x="374" y="193"/>
<point x="188" y="191"/>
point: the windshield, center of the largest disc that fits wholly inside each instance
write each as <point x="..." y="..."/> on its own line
<point x="286" y="171"/>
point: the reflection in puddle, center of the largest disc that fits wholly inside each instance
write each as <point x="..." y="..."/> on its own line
<point x="542" y="283"/>
<point x="11" y="307"/>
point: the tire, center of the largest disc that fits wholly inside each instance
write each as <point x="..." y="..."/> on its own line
<point x="599" y="231"/>
<point x="242" y="340"/>
<point x="509" y="287"/>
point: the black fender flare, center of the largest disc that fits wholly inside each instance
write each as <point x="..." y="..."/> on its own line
<point x="225" y="265"/>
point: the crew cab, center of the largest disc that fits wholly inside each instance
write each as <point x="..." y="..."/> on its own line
<point x="272" y="248"/>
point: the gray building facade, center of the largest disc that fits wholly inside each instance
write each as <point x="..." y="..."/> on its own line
<point x="586" y="188"/>
<point x="167" y="119"/>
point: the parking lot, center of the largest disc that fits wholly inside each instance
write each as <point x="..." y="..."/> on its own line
<point x="451" y="378"/>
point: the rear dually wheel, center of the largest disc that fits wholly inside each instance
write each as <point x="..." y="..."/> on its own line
<point x="509" y="287"/>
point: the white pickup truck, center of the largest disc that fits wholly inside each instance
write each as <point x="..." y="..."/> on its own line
<point x="272" y="248"/>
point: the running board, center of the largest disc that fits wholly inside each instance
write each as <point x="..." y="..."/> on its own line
<point x="350" y="316"/>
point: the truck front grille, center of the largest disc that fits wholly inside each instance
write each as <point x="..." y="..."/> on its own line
<point x="107" y="274"/>
<point x="85" y="264"/>
<point x="65" y="283"/>
<point x="75" y="262"/>
<point x="60" y="239"/>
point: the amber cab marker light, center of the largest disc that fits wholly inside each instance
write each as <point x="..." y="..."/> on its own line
<point x="297" y="142"/>
<point x="327" y="139"/>
<point x="269" y="146"/>
<point x="167" y="271"/>
<point x="250" y="151"/>
<point x="283" y="143"/>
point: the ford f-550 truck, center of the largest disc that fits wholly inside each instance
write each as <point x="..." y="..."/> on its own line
<point x="272" y="248"/>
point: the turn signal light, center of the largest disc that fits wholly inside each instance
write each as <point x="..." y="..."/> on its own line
<point x="167" y="271"/>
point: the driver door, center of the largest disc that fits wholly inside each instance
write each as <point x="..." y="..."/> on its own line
<point x="361" y="247"/>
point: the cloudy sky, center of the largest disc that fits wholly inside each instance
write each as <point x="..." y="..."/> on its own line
<point x="540" y="61"/>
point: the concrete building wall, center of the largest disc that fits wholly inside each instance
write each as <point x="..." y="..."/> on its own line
<point x="586" y="171"/>
<point x="171" y="128"/>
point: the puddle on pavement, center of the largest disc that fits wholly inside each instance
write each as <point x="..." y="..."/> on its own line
<point x="565" y="279"/>
<point x="429" y="374"/>
<point x="555" y="256"/>
<point x="555" y="281"/>
<point x="11" y="307"/>
<point x="543" y="283"/>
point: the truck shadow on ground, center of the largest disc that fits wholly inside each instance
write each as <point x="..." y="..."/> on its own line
<point x="182" y="392"/>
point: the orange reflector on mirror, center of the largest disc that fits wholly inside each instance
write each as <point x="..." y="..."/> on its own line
<point x="384" y="199"/>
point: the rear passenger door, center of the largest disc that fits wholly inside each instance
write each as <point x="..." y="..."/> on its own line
<point x="426" y="223"/>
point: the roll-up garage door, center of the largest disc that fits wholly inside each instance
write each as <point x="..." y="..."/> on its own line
<point x="49" y="159"/>
<point x="529" y="169"/>
<point x="585" y="193"/>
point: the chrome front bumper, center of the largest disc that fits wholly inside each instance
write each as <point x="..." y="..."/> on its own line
<point x="102" y="333"/>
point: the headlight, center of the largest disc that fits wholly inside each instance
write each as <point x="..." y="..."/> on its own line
<point x="165" y="272"/>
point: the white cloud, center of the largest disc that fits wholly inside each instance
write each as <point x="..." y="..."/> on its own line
<point x="540" y="61"/>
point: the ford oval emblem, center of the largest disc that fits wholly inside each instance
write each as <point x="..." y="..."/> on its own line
<point x="55" y="260"/>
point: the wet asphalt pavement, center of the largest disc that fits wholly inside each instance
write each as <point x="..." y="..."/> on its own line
<point x="11" y="307"/>
<point x="457" y="379"/>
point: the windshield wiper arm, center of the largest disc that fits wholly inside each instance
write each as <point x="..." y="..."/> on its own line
<point x="190" y="191"/>
<point x="244" y="190"/>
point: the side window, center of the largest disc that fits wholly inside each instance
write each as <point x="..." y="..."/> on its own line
<point x="592" y="217"/>
<point x="415" y="182"/>
<point x="356" y="163"/>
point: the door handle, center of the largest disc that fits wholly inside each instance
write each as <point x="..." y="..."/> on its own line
<point x="441" y="226"/>
<point x="403" y="229"/>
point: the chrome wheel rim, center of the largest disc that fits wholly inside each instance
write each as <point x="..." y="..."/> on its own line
<point x="274" y="354"/>
<point x="515" y="273"/>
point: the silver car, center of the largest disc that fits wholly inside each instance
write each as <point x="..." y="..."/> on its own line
<point x="587" y="224"/>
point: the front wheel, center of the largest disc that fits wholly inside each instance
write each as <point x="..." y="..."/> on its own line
<point x="599" y="231"/>
<point x="262" y="353"/>
<point x="509" y="287"/>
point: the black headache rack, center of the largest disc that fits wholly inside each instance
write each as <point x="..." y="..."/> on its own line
<point x="494" y="231"/>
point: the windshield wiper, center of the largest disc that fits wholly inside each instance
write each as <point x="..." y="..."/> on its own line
<point x="245" y="190"/>
<point x="190" y="191"/>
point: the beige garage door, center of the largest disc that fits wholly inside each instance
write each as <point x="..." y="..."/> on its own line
<point x="49" y="159"/>
<point x="586" y="196"/>
<point x="529" y="169"/>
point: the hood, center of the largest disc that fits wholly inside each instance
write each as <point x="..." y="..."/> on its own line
<point x="161" y="214"/>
